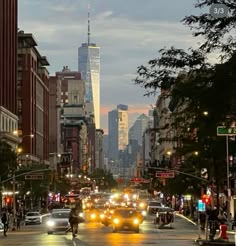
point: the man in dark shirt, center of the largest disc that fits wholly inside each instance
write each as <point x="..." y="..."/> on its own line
<point x="5" y="221"/>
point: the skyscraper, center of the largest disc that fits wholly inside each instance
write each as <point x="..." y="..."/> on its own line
<point x="89" y="66"/>
<point x="117" y="131"/>
<point x="8" y="55"/>
<point x="137" y="129"/>
<point x="8" y="71"/>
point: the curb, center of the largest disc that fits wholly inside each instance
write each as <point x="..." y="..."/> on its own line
<point x="214" y="243"/>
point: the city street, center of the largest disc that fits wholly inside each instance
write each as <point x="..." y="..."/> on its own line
<point x="184" y="233"/>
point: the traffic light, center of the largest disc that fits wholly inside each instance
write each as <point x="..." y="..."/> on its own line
<point x="8" y="200"/>
<point x="206" y="199"/>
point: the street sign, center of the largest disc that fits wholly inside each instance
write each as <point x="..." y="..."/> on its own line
<point x="140" y="180"/>
<point x="34" y="177"/>
<point x="226" y="131"/>
<point x="201" y="206"/>
<point x="165" y="175"/>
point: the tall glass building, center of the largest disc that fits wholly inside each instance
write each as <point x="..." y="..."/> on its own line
<point x="118" y="125"/>
<point x="89" y="66"/>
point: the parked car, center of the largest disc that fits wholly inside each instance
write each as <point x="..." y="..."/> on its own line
<point x="164" y="215"/>
<point x="153" y="206"/>
<point x="58" y="221"/>
<point x="126" y="219"/>
<point x="33" y="218"/>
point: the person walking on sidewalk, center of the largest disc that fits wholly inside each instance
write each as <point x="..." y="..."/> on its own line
<point x="18" y="221"/>
<point x="5" y="221"/>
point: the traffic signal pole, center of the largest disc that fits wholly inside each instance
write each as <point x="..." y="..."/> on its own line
<point x="228" y="183"/>
<point x="14" y="200"/>
<point x="13" y="178"/>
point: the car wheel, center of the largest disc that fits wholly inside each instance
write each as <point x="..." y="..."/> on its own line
<point x="50" y="232"/>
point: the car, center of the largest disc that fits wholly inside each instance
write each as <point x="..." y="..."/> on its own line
<point x="106" y="216"/>
<point x="153" y="206"/>
<point x="164" y="215"/>
<point x="58" y="221"/>
<point x="126" y="219"/>
<point x="94" y="215"/>
<point x="33" y="218"/>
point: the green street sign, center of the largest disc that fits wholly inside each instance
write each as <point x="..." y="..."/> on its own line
<point x="226" y="131"/>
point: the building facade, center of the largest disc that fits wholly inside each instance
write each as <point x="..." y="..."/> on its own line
<point x="33" y="99"/>
<point x="117" y="132"/>
<point x="137" y="129"/>
<point x="89" y="66"/>
<point x="8" y="71"/>
<point x="72" y="130"/>
<point x="99" y="154"/>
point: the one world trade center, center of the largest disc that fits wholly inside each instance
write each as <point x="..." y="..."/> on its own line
<point x="89" y="66"/>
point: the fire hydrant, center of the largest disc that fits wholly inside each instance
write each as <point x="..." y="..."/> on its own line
<point x="223" y="232"/>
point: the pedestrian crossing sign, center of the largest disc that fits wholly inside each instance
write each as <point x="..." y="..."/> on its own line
<point x="201" y="206"/>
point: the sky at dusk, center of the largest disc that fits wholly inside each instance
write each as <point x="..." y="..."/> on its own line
<point x="128" y="32"/>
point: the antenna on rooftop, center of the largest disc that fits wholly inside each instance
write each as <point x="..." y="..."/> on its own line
<point x="88" y="25"/>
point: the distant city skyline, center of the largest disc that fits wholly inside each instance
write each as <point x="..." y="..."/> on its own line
<point x="127" y="39"/>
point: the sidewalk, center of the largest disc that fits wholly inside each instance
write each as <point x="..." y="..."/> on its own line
<point x="202" y="241"/>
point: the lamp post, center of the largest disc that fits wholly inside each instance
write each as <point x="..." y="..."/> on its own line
<point x="18" y="152"/>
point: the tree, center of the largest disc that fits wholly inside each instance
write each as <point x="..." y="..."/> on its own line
<point x="218" y="32"/>
<point x="195" y="87"/>
<point x="8" y="159"/>
<point x="104" y="178"/>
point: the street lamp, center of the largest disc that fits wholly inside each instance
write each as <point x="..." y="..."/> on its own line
<point x="18" y="152"/>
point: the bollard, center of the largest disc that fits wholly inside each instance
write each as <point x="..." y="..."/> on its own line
<point x="223" y="232"/>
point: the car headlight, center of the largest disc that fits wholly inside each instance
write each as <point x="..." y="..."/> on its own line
<point x="144" y="213"/>
<point x="93" y="216"/>
<point x="50" y="223"/>
<point x="102" y="216"/>
<point x="136" y="221"/>
<point x="141" y="205"/>
<point x="116" y="221"/>
<point x="81" y="215"/>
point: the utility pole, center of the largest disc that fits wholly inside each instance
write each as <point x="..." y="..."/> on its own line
<point x="14" y="200"/>
<point x="228" y="181"/>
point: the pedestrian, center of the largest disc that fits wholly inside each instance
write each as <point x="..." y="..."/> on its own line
<point x="202" y="218"/>
<point x="74" y="221"/>
<point x="18" y="221"/>
<point x="5" y="221"/>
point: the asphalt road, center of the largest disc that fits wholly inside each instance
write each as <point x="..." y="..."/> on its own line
<point x="95" y="234"/>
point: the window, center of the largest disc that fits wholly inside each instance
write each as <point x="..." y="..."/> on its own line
<point x="75" y="100"/>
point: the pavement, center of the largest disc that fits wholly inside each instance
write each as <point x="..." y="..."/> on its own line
<point x="215" y="242"/>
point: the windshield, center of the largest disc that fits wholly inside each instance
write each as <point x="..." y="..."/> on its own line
<point x="60" y="215"/>
<point x="156" y="204"/>
<point x="32" y="214"/>
<point x="126" y="213"/>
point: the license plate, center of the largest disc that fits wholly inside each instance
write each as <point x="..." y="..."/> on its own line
<point x="126" y="227"/>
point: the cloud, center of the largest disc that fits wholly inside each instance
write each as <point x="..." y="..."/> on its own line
<point x="130" y="33"/>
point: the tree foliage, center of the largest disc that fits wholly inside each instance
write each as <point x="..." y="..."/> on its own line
<point x="195" y="86"/>
<point x="104" y="177"/>
<point x="8" y="159"/>
<point x="218" y="32"/>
